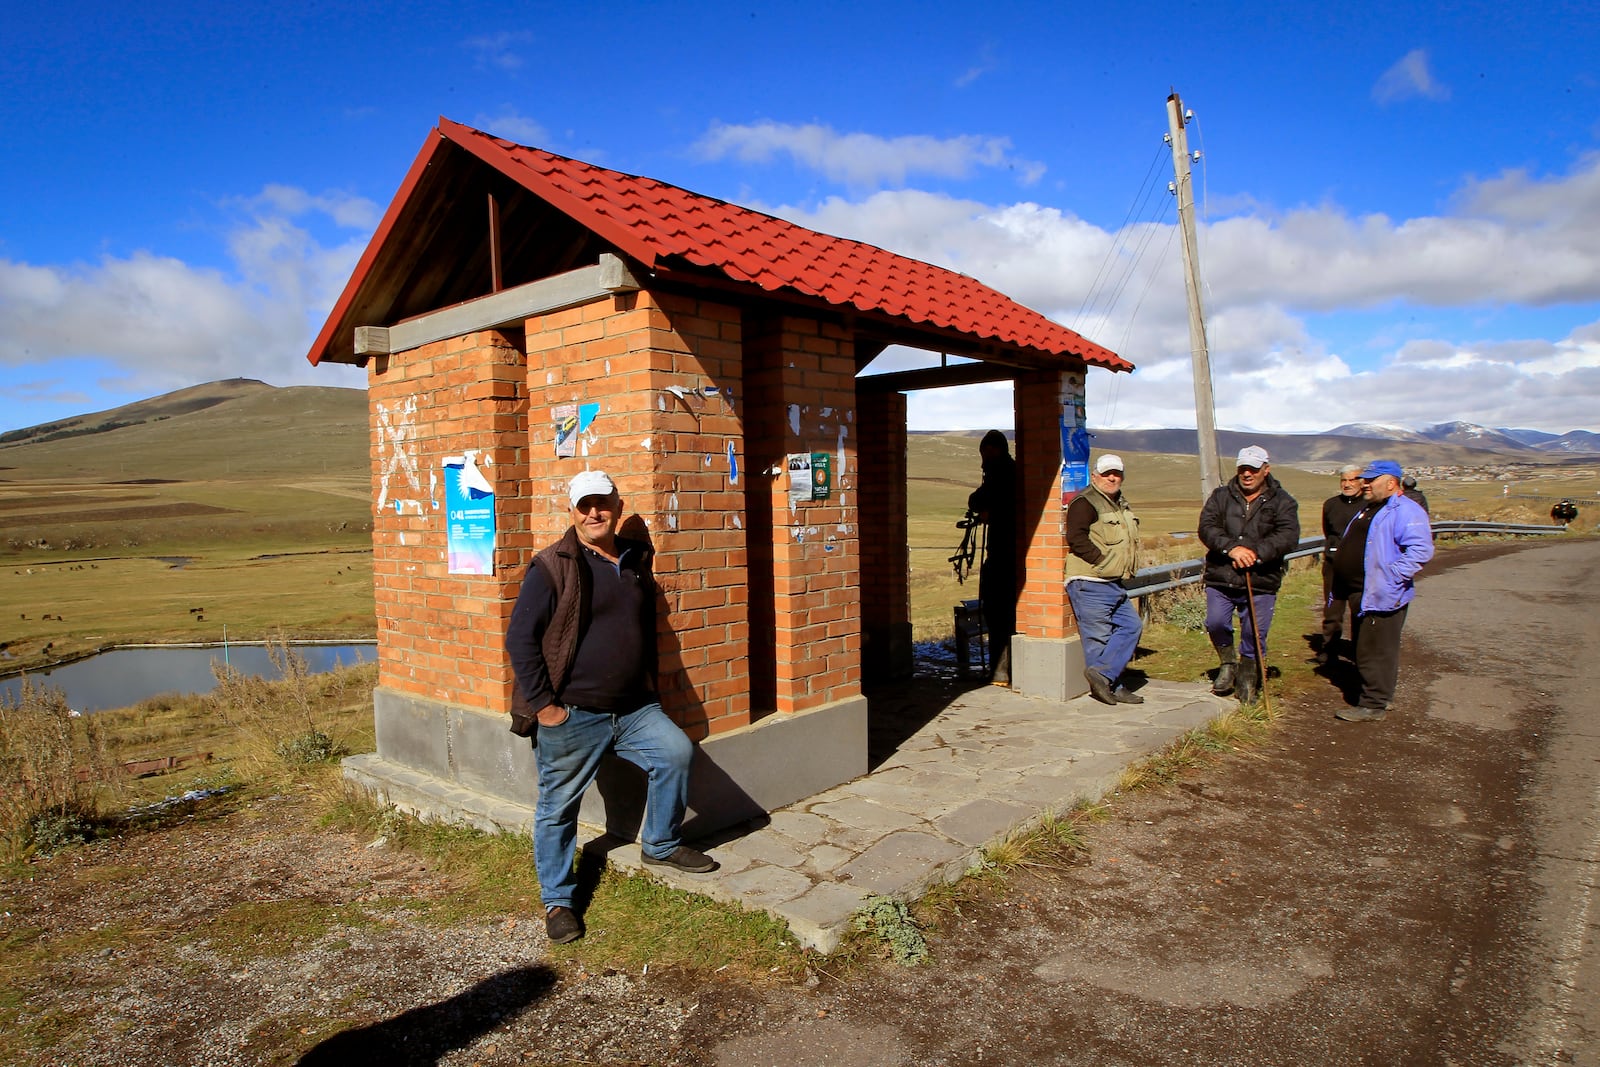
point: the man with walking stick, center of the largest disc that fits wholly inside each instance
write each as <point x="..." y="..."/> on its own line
<point x="1248" y="526"/>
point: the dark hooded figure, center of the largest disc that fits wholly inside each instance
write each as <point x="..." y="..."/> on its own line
<point x="995" y="502"/>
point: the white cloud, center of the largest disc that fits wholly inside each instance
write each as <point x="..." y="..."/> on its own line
<point x="502" y="51"/>
<point x="860" y="159"/>
<point x="985" y="63"/>
<point x="154" y="323"/>
<point x="1408" y="78"/>
<point x="513" y="126"/>
<point x="1514" y="242"/>
<point x="1276" y="285"/>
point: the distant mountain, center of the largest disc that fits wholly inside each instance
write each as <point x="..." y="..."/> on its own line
<point x="1454" y="445"/>
<point x="1572" y="441"/>
<point x="1473" y="436"/>
<point x="1461" y="443"/>
<point x="1535" y="438"/>
<point x="235" y="429"/>
<point x="1376" y="431"/>
<point x="182" y="402"/>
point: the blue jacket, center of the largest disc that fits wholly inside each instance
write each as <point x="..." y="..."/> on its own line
<point x="1399" y="542"/>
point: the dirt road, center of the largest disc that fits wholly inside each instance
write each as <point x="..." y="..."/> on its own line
<point x="1417" y="891"/>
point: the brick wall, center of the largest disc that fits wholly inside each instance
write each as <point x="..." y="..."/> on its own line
<point x="762" y="596"/>
<point x="885" y="552"/>
<point x="1042" y="607"/>
<point x="664" y="374"/>
<point x="806" y="563"/>
<point x="439" y="633"/>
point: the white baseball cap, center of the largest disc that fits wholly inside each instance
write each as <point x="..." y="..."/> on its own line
<point x="1108" y="462"/>
<point x="590" y="483"/>
<point x="1252" y="456"/>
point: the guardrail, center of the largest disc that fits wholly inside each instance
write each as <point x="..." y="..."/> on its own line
<point x="1159" y="579"/>
<point x="1468" y="527"/>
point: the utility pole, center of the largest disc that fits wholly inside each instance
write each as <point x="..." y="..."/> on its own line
<point x="1205" y="410"/>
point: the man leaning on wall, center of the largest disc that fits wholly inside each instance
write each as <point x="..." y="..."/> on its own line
<point x="1103" y="542"/>
<point x="582" y="640"/>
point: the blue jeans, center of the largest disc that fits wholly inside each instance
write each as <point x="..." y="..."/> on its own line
<point x="1221" y="605"/>
<point x="1108" y="625"/>
<point x="569" y="757"/>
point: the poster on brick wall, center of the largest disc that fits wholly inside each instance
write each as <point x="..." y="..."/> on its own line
<point x="565" y="418"/>
<point x="469" y="516"/>
<point x="799" y="477"/>
<point x="821" y="476"/>
<point x="1074" y="439"/>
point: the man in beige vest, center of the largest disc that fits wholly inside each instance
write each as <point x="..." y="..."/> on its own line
<point x="1103" y="538"/>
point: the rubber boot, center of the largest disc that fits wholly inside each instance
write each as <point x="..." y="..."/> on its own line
<point x="1225" y="673"/>
<point x="1247" y="686"/>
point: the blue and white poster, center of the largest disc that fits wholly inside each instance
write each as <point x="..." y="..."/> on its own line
<point x="469" y="516"/>
<point x="1074" y="440"/>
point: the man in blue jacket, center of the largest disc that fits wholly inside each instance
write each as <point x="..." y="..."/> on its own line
<point x="1390" y="539"/>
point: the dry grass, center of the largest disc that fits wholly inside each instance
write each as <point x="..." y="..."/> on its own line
<point x="56" y="770"/>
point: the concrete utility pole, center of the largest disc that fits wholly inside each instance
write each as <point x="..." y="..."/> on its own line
<point x="1205" y="410"/>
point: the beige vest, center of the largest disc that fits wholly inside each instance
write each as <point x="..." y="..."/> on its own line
<point x="1115" y="532"/>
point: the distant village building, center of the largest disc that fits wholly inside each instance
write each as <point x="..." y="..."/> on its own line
<point x="522" y="317"/>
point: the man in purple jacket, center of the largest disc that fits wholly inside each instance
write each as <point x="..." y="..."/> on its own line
<point x="1379" y="555"/>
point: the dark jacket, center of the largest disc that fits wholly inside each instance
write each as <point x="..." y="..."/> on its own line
<point x="1337" y="511"/>
<point x="1271" y="530"/>
<point x="552" y="617"/>
<point x="996" y="499"/>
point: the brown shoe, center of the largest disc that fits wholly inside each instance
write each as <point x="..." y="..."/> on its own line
<point x="562" y="925"/>
<point x="683" y="858"/>
<point x="1099" y="686"/>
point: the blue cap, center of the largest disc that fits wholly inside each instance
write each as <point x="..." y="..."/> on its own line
<point x="1382" y="466"/>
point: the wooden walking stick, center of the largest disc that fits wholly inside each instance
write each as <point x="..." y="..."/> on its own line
<point x="1261" y="652"/>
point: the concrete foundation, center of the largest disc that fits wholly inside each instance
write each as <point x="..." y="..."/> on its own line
<point x="444" y="761"/>
<point x="1051" y="668"/>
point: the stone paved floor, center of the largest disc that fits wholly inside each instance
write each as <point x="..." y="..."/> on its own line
<point x="954" y="768"/>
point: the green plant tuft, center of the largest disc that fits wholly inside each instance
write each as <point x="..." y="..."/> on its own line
<point x="888" y="921"/>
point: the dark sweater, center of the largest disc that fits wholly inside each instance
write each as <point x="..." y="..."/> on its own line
<point x="613" y="666"/>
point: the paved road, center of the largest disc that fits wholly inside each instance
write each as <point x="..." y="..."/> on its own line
<point x="1518" y="637"/>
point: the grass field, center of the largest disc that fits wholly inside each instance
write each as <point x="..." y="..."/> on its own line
<point x="249" y="507"/>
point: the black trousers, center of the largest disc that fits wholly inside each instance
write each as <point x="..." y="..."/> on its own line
<point x="1378" y="656"/>
<point x="997" y="588"/>
<point x="1334" y="608"/>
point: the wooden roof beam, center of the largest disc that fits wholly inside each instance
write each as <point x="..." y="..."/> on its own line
<point x="937" y="377"/>
<point x="582" y="286"/>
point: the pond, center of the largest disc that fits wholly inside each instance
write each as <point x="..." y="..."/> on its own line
<point x="125" y="676"/>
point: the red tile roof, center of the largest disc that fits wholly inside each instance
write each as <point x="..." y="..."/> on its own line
<point x="652" y="222"/>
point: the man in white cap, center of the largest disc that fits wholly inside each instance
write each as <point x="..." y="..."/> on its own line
<point x="582" y="640"/>
<point x="1337" y="511"/>
<point x="1103" y="539"/>
<point x="1248" y="526"/>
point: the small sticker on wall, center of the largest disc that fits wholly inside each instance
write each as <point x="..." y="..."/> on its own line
<point x="565" y="419"/>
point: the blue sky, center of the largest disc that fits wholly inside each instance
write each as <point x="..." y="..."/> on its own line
<point x="1399" y="204"/>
